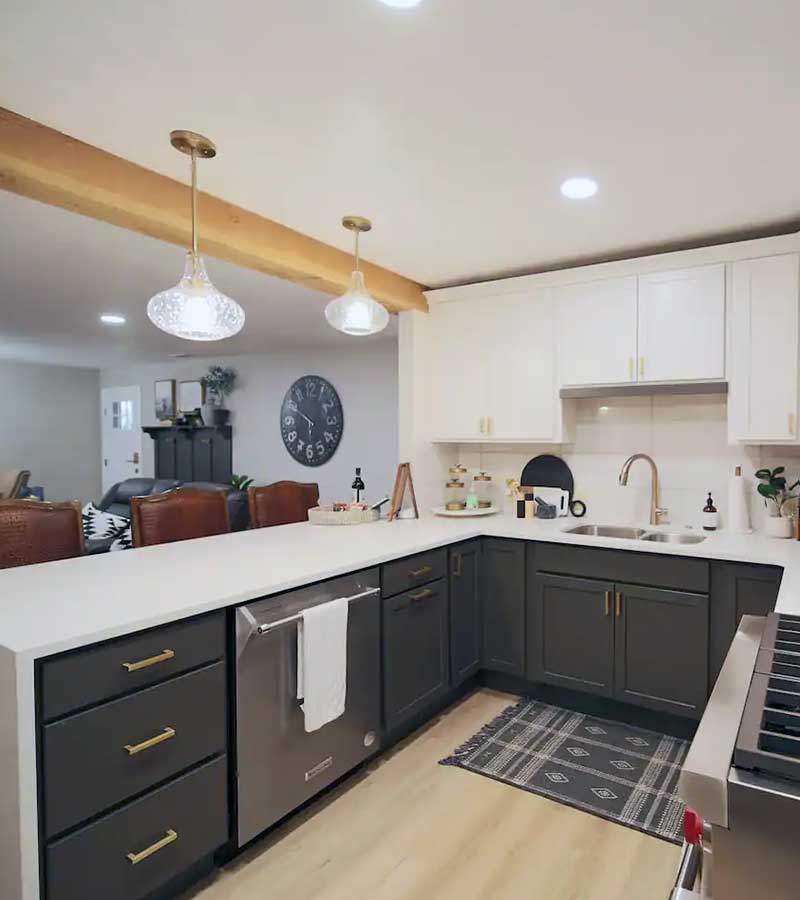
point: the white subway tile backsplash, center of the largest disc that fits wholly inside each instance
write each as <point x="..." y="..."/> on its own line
<point x="687" y="437"/>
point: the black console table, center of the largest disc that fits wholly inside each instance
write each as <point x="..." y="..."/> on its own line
<point x="201" y="453"/>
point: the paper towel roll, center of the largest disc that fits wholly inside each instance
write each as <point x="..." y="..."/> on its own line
<point x="738" y="511"/>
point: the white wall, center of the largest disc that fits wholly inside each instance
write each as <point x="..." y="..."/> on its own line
<point x="366" y="379"/>
<point x="50" y="424"/>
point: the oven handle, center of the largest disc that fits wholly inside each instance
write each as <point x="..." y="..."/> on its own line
<point x="270" y="626"/>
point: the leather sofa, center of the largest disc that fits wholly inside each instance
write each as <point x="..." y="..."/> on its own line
<point x="118" y="498"/>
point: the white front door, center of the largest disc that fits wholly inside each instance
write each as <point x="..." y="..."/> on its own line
<point x="121" y="416"/>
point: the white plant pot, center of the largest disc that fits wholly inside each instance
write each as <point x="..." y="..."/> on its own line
<point x="778" y="527"/>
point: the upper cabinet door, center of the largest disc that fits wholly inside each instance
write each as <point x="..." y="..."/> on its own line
<point x="597" y="332"/>
<point x="522" y="400"/>
<point x="763" y="401"/>
<point x="458" y="385"/>
<point x="682" y="325"/>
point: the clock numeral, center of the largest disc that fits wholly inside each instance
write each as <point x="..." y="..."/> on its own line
<point x="298" y="392"/>
<point x="291" y="437"/>
<point x="292" y="405"/>
<point x="311" y="388"/>
<point x="320" y="447"/>
<point x="300" y="444"/>
<point x="309" y="452"/>
<point x="326" y="407"/>
<point x="332" y="420"/>
<point x="329" y="437"/>
<point x="288" y="420"/>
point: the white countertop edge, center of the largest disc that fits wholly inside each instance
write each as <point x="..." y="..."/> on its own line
<point x="73" y="603"/>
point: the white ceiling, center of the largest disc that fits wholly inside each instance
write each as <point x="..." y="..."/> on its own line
<point x="450" y="124"/>
<point x="60" y="271"/>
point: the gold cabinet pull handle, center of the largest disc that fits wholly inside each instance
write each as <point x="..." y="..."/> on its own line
<point x="169" y="837"/>
<point x="418" y="573"/>
<point x="482" y="424"/>
<point x="166" y="735"/>
<point x="421" y="595"/>
<point x="150" y="661"/>
<point x="457" y="559"/>
<point x="608" y="602"/>
<point x="618" y="604"/>
<point x="641" y="367"/>
<point x="631" y="372"/>
<point x="489" y="425"/>
<point x="791" y="423"/>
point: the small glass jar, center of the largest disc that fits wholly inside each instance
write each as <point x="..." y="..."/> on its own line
<point x="455" y="495"/>
<point x="482" y="486"/>
<point x="458" y="472"/>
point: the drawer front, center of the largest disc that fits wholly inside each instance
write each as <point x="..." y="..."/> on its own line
<point x="80" y="679"/>
<point x="97" y="758"/>
<point x="413" y="571"/>
<point x="94" y="861"/>
<point x="632" y="567"/>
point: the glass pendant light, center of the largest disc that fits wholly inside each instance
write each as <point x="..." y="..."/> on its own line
<point x="194" y="309"/>
<point x="356" y="312"/>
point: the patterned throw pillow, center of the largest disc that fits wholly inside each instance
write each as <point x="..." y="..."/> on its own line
<point x="99" y="525"/>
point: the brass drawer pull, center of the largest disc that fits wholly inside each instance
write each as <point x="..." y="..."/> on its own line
<point x="165" y="841"/>
<point x="166" y="735"/>
<point x="608" y="602"/>
<point x="418" y="573"/>
<point x="618" y="604"/>
<point x="421" y="595"/>
<point x="150" y="661"/>
<point x="457" y="560"/>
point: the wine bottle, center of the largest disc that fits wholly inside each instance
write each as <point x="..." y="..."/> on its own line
<point x="358" y="486"/>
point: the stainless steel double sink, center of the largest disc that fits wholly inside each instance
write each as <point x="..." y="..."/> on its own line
<point x="631" y="533"/>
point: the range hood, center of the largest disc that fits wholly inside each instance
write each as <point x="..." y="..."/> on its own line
<point x="644" y="390"/>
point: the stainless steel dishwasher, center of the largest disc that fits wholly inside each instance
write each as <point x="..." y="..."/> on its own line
<point x="280" y="765"/>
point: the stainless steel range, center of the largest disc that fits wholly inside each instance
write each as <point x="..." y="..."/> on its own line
<point x="742" y="773"/>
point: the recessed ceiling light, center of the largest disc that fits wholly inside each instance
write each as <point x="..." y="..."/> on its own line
<point x="110" y="319"/>
<point x="579" y="188"/>
<point x="402" y="4"/>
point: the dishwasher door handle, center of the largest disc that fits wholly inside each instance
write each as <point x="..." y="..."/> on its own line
<point x="269" y="626"/>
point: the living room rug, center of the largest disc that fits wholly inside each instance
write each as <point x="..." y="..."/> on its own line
<point x="625" y="774"/>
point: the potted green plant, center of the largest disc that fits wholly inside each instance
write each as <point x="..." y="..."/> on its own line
<point x="241" y="482"/>
<point x="219" y="383"/>
<point x="777" y="498"/>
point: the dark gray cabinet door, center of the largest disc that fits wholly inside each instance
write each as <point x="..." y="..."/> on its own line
<point x="166" y="459"/>
<point x="415" y="651"/>
<point x="203" y="458"/>
<point x="738" y="589"/>
<point x="503" y="606"/>
<point x="570" y="633"/>
<point x="465" y="611"/>
<point x="661" y="649"/>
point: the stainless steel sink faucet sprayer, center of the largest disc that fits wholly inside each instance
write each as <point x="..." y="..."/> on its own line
<point x="655" y="509"/>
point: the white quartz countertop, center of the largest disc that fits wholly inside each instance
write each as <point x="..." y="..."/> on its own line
<point x="51" y="607"/>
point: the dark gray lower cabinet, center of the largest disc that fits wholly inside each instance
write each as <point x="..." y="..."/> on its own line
<point x="738" y="589"/>
<point x="415" y="651"/>
<point x="465" y="611"/>
<point x="503" y="605"/>
<point x="661" y="649"/>
<point x="570" y="633"/>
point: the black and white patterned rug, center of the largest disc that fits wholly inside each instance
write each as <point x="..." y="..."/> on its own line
<point x="625" y="774"/>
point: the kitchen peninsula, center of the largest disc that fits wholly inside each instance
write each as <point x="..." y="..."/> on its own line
<point x="58" y="607"/>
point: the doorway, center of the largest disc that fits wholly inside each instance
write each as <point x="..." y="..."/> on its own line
<point x="121" y="418"/>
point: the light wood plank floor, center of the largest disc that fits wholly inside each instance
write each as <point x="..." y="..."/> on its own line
<point x="409" y="829"/>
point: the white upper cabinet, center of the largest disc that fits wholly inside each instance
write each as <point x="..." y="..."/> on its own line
<point x="494" y="369"/>
<point x="597" y="332"/>
<point x="682" y="325"/>
<point x="763" y="399"/>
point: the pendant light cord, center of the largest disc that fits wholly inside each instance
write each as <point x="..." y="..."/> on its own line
<point x="195" y="258"/>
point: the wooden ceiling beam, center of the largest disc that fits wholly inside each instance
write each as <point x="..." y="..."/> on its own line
<point x="46" y="165"/>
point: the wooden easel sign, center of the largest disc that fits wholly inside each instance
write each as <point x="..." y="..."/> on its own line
<point x="402" y="481"/>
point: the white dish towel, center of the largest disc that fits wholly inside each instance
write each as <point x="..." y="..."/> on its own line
<point x="322" y="662"/>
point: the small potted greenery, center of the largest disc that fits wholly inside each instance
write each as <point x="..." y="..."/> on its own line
<point x="219" y="383"/>
<point x="777" y="498"/>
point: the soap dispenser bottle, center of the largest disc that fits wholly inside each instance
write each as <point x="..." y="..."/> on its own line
<point x="710" y="515"/>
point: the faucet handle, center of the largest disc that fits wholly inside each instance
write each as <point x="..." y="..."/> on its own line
<point x="659" y="512"/>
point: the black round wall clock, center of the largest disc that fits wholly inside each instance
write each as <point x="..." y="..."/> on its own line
<point x="312" y="420"/>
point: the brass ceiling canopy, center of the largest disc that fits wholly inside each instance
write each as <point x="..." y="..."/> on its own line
<point x="356" y="223"/>
<point x="189" y="142"/>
